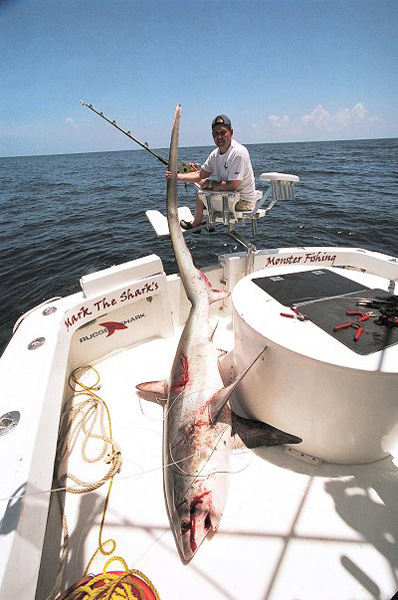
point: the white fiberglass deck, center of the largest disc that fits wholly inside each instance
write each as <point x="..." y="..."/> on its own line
<point x="290" y="530"/>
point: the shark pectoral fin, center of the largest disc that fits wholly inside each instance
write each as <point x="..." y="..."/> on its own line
<point x="256" y="433"/>
<point x="220" y="398"/>
<point x="156" y="387"/>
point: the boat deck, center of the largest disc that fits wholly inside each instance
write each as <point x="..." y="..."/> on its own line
<point x="290" y="529"/>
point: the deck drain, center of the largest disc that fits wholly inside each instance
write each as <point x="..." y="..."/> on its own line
<point x="36" y="343"/>
<point x="49" y="311"/>
<point x="9" y="421"/>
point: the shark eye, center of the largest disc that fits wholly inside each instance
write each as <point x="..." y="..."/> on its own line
<point x="185" y="526"/>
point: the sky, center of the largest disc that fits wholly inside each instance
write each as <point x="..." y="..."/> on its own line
<point x="282" y="70"/>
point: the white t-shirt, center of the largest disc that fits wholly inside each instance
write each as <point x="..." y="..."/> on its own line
<point x="234" y="164"/>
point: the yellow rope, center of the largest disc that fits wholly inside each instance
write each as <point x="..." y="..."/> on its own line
<point x="82" y="418"/>
<point x="101" y="545"/>
<point x="114" y="586"/>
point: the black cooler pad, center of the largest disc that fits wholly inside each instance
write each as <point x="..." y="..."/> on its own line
<point x="329" y="313"/>
<point x="324" y="297"/>
<point x="294" y="288"/>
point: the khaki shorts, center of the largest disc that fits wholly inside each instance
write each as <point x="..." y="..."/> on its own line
<point x="244" y="205"/>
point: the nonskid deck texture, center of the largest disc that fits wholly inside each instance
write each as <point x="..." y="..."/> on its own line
<point x="290" y="530"/>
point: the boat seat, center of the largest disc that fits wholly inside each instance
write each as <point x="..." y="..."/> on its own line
<point x="220" y="207"/>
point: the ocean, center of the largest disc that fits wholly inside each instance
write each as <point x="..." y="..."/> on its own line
<point x="64" y="216"/>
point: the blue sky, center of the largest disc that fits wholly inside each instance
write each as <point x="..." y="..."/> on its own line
<point x="282" y="70"/>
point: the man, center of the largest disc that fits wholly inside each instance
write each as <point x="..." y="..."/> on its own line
<point x="231" y="167"/>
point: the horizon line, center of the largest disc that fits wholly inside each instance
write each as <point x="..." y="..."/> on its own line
<point x="201" y="146"/>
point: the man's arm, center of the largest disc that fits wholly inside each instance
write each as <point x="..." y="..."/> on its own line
<point x="197" y="176"/>
<point x="226" y="186"/>
<point x="192" y="177"/>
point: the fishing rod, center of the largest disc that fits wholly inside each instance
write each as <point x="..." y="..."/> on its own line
<point x="114" y="124"/>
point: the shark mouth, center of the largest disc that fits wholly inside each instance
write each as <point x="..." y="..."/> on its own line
<point x="199" y="515"/>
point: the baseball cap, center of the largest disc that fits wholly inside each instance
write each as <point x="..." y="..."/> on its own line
<point x="221" y="120"/>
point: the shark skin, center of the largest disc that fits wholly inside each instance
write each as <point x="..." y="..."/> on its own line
<point x="199" y="426"/>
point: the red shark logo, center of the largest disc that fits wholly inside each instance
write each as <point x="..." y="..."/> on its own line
<point x="111" y="326"/>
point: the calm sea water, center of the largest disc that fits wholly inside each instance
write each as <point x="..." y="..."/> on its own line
<point x="64" y="216"/>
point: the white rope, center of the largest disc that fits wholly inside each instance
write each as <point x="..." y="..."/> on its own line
<point x="80" y="421"/>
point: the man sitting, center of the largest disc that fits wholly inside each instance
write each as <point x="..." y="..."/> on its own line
<point x="231" y="166"/>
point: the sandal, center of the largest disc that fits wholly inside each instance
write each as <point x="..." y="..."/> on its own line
<point x="185" y="225"/>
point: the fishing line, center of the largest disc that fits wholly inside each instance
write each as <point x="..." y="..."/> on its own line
<point x="157" y="401"/>
<point x="120" y="478"/>
<point x="216" y="442"/>
<point x="186" y="395"/>
<point x="197" y="454"/>
<point x="81" y="417"/>
<point x="174" y="463"/>
<point x="197" y="476"/>
<point x="155" y="541"/>
<point x="178" y="398"/>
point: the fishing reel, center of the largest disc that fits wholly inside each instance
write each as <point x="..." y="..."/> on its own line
<point x="187" y="167"/>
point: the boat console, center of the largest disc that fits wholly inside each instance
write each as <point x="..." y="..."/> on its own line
<point x="329" y="372"/>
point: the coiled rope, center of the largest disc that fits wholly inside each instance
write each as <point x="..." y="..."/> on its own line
<point x="113" y="585"/>
<point x="79" y="420"/>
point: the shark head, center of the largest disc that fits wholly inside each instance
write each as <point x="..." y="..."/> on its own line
<point x="198" y="514"/>
<point x="193" y="519"/>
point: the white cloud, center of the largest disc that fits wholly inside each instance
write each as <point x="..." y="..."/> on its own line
<point x="72" y="124"/>
<point x="323" y="123"/>
<point x="318" y="118"/>
<point x="346" y="116"/>
<point x="345" y="120"/>
<point x="279" y="122"/>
